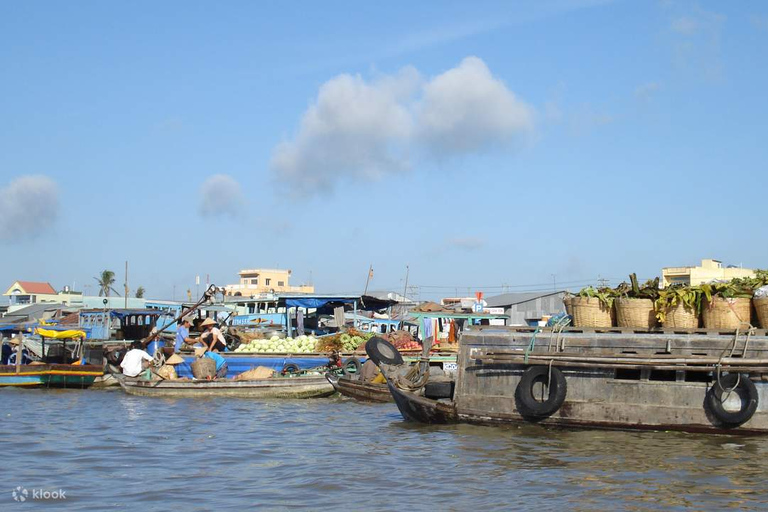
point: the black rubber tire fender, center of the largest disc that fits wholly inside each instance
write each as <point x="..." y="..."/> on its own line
<point x="354" y="363"/>
<point x="528" y="405"/>
<point x="439" y="389"/>
<point x="291" y="368"/>
<point x="739" y="382"/>
<point x="381" y="351"/>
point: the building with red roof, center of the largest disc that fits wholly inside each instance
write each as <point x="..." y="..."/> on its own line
<point x="30" y="292"/>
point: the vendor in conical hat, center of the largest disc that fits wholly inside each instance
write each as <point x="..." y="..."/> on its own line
<point x="212" y="337"/>
<point x="11" y="349"/>
<point x="168" y="370"/>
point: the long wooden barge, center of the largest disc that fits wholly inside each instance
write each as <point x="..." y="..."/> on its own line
<point x="311" y="386"/>
<point x="690" y="380"/>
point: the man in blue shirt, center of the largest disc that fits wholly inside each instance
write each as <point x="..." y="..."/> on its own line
<point x="182" y="335"/>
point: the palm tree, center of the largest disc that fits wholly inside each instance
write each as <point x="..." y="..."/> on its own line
<point x="106" y="280"/>
<point x="140" y="292"/>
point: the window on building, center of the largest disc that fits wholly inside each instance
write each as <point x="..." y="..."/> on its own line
<point x="267" y="281"/>
<point x="256" y="281"/>
<point x="280" y="283"/>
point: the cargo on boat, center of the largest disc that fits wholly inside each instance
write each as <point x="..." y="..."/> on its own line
<point x="685" y="379"/>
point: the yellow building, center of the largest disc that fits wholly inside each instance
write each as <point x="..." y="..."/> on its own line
<point x="708" y="271"/>
<point x="265" y="280"/>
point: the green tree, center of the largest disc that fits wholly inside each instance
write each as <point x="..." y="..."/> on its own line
<point x="106" y="280"/>
<point x="140" y="292"/>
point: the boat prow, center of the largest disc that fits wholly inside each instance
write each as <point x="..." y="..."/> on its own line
<point x="414" y="407"/>
<point x="359" y="390"/>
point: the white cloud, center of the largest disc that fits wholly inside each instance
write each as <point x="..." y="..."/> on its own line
<point x="366" y="129"/>
<point x="221" y="195"/>
<point x="466" y="109"/>
<point x="696" y="39"/>
<point x="28" y="206"/>
<point x="355" y="128"/>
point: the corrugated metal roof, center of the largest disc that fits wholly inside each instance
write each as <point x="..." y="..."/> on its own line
<point x="510" y="299"/>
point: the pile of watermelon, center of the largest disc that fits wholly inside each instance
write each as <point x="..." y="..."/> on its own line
<point x="347" y="341"/>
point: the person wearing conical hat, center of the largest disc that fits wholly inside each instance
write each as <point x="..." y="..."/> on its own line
<point x="168" y="370"/>
<point x="11" y="349"/>
<point x="212" y="337"/>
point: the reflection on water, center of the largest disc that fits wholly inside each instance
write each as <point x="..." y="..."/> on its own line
<point x="109" y="450"/>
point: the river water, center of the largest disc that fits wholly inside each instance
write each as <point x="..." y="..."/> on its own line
<point x="107" y="450"/>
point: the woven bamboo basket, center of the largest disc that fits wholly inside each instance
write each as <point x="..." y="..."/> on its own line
<point x="724" y="313"/>
<point x="203" y="368"/>
<point x="681" y="316"/>
<point x="635" y="313"/>
<point x="590" y="312"/>
<point x="568" y="308"/>
<point x="761" y="306"/>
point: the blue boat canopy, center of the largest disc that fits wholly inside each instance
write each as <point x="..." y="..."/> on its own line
<point x="314" y="302"/>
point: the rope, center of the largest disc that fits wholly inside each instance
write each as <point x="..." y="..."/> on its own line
<point x="531" y="345"/>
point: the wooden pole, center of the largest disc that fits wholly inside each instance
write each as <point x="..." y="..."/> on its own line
<point x="577" y="364"/>
<point x="126" y="284"/>
<point x="368" y="279"/>
<point x="19" y="349"/>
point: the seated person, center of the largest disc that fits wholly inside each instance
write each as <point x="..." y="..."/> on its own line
<point x="135" y="361"/>
<point x="11" y="350"/>
<point x="6" y="352"/>
<point x="168" y="370"/>
<point x="212" y="338"/>
<point x="221" y="364"/>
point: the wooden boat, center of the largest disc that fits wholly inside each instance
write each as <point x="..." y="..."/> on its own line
<point x="695" y="380"/>
<point x="313" y="386"/>
<point x="50" y="375"/>
<point x="359" y="390"/>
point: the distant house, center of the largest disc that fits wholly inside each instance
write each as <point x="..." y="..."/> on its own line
<point x="709" y="270"/>
<point x="30" y="292"/>
<point x="263" y="280"/>
<point x="528" y="308"/>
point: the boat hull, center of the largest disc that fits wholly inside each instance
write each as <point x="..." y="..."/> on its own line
<point x="50" y="375"/>
<point x="423" y="410"/>
<point x="296" y="387"/>
<point x="363" y="391"/>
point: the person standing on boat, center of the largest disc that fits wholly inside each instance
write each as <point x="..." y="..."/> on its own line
<point x="135" y="361"/>
<point x="212" y="338"/>
<point x="221" y="364"/>
<point x="182" y="335"/>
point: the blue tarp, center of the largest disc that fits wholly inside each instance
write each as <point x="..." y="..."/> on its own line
<point x="239" y="364"/>
<point x="314" y="302"/>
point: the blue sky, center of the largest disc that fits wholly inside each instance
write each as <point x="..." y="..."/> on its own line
<point x="481" y="143"/>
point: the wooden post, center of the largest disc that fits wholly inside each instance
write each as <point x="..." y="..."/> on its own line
<point x="19" y="349"/>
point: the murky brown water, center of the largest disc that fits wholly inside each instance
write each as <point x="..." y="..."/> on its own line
<point x="112" y="451"/>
